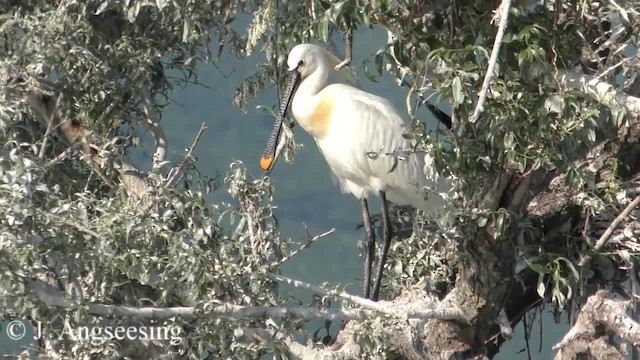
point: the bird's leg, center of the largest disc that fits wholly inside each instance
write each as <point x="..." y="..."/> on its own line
<point x="386" y="234"/>
<point x="370" y="244"/>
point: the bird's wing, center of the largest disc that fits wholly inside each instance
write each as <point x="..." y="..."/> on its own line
<point x="364" y="139"/>
<point x="346" y="186"/>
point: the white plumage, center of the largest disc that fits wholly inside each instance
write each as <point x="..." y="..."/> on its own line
<point x="349" y="125"/>
<point x="354" y="123"/>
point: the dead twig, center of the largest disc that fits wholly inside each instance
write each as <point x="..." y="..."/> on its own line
<point x="504" y="16"/>
<point x="60" y="157"/>
<point x="300" y="249"/>
<point x="614" y="224"/>
<point x="49" y="126"/>
<point x="348" y="43"/>
<point x="175" y="172"/>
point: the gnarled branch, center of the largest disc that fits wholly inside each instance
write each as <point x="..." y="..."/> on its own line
<point x="600" y="317"/>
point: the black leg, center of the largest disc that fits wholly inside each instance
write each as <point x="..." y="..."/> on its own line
<point x="370" y="244"/>
<point x="386" y="234"/>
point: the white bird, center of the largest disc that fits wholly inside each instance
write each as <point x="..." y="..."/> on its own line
<point x="358" y="133"/>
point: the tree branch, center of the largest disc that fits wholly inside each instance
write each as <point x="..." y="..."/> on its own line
<point x="60" y="157"/>
<point x="303" y="247"/>
<point x="152" y="124"/>
<point x="50" y="126"/>
<point x="54" y="297"/>
<point x="614" y="224"/>
<point x="382" y="307"/>
<point x="504" y="8"/>
<point x="585" y="337"/>
<point x="175" y="172"/>
<point x="406" y="335"/>
<point x="348" y="53"/>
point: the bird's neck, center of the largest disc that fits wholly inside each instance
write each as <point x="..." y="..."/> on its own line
<point x="306" y="99"/>
<point x="314" y="82"/>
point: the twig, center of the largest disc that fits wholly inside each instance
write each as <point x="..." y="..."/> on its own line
<point x="312" y="9"/>
<point x="49" y="127"/>
<point x="412" y="89"/>
<point x="348" y="53"/>
<point x="64" y="154"/>
<point x="152" y="124"/>
<point x="255" y="230"/>
<point x="418" y="100"/>
<point x="505" y="6"/>
<point x="614" y="224"/>
<point x="381" y="307"/>
<point x="107" y="112"/>
<point x="285" y="134"/>
<point x="366" y="303"/>
<point x="609" y="70"/>
<point x="82" y="228"/>
<point x="303" y="247"/>
<point x="527" y="335"/>
<point x="239" y="229"/>
<point x="175" y="172"/>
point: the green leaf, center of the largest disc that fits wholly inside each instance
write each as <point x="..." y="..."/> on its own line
<point x="379" y="61"/>
<point x="335" y="11"/>
<point x="508" y="140"/>
<point x="161" y="4"/>
<point x="541" y="287"/>
<point x="571" y="267"/>
<point x="536" y="267"/>
<point x="485" y="159"/>
<point x="103" y="7"/>
<point x="186" y="30"/>
<point x="500" y="223"/>
<point x="323" y="29"/>
<point x="456" y="89"/>
<point x="368" y="73"/>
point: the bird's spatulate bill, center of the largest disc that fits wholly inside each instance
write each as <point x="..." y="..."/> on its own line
<point x="268" y="158"/>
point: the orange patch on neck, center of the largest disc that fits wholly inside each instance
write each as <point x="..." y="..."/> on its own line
<point x="318" y="124"/>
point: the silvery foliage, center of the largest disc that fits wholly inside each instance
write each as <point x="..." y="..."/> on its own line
<point x="71" y="234"/>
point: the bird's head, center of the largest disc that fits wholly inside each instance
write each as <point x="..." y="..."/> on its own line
<point x="304" y="58"/>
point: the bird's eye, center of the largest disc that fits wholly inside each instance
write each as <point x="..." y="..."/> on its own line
<point x="300" y="63"/>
